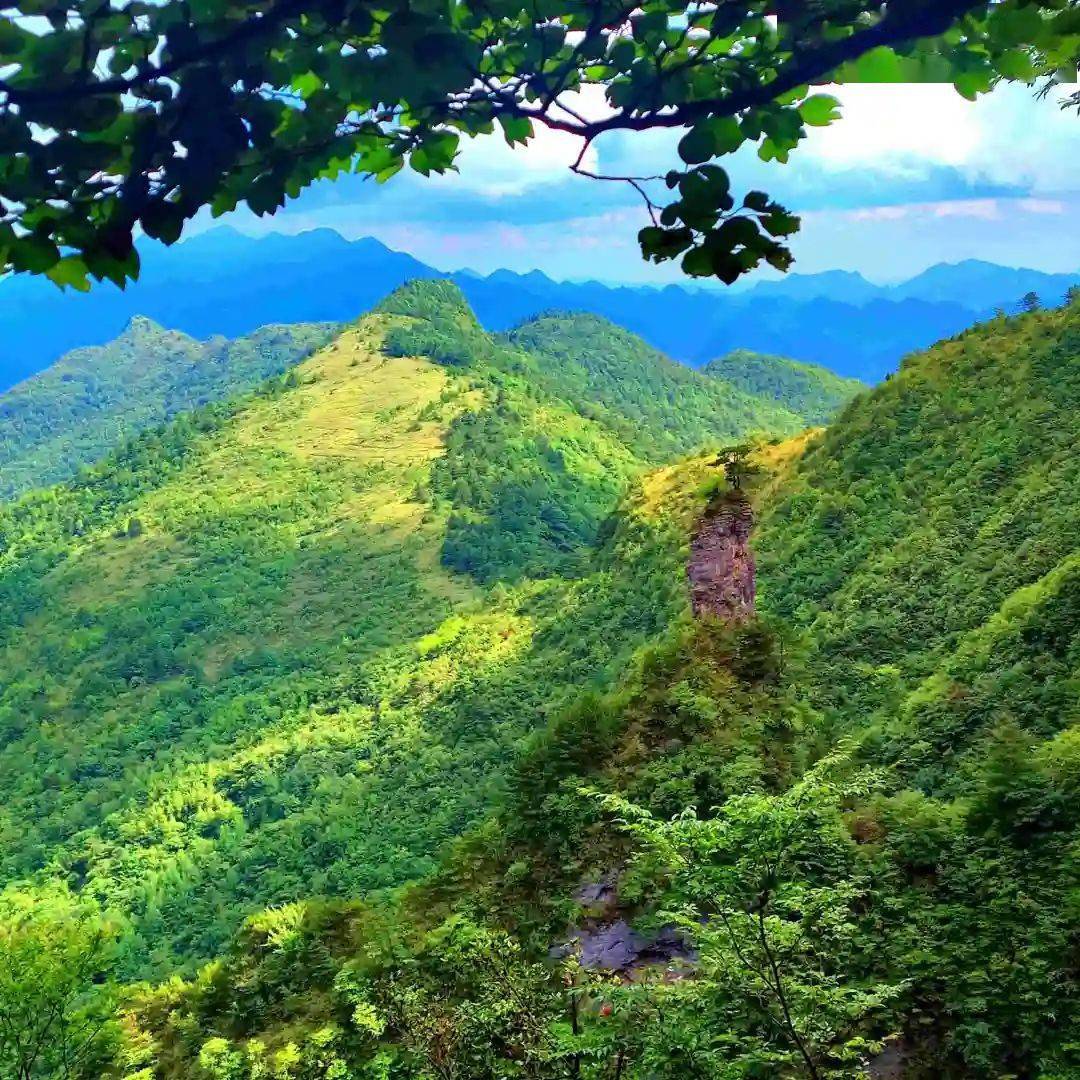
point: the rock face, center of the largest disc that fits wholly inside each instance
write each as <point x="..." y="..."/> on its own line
<point x="604" y="941"/>
<point x="721" y="570"/>
<point x="620" y="948"/>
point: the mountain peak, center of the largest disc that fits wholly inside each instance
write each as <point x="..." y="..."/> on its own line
<point x="435" y="299"/>
<point x="139" y="326"/>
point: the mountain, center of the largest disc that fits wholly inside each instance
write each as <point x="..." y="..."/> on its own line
<point x="219" y="283"/>
<point x="224" y="283"/>
<point x="845" y="286"/>
<point x="973" y="284"/>
<point x="983" y="286"/>
<point x="813" y="392"/>
<point x="90" y="400"/>
<point x="237" y="664"/>
<point x="586" y="358"/>
<point x="835" y="838"/>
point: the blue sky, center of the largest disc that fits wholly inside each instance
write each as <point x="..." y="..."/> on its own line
<point x="911" y="176"/>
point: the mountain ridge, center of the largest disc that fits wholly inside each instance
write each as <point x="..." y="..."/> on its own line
<point x="74" y="412"/>
<point x="223" y="282"/>
<point x="71" y="414"/>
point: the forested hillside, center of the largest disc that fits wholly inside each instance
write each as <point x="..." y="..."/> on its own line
<point x="661" y="408"/>
<point x="843" y="831"/>
<point x="815" y="393"/>
<point x="89" y="401"/>
<point x="234" y="668"/>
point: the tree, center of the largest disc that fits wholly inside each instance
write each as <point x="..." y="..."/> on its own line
<point x="118" y="115"/>
<point x="1031" y="302"/>
<point x="54" y="1008"/>
<point x="1072" y="296"/>
<point x="737" y="464"/>
<point x="769" y="891"/>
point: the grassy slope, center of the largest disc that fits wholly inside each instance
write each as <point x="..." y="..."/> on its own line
<point x="83" y="406"/>
<point x="926" y="547"/>
<point x="268" y="686"/>
<point x="814" y="392"/>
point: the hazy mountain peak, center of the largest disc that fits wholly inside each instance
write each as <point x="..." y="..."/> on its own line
<point x="140" y="327"/>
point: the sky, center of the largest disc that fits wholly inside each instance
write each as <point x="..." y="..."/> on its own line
<point x="912" y="175"/>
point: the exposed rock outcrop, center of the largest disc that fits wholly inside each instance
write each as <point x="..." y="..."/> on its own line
<point x="721" y="569"/>
<point x="604" y="940"/>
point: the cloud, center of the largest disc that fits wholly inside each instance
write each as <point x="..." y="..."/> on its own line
<point x="1009" y="137"/>
<point x="896" y="129"/>
<point x="1043" y="206"/>
<point x="910" y="176"/>
<point x="490" y="167"/>
<point x="900" y="143"/>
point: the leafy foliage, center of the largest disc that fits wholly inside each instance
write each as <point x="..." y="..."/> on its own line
<point x="56" y="1006"/>
<point x="82" y="407"/>
<point x="116" y="116"/>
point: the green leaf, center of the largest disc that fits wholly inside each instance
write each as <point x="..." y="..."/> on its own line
<point x="163" y="221"/>
<point x="34" y="253"/>
<point x="660" y="244"/>
<point x="820" y="110"/>
<point x="1015" y="64"/>
<point x="70" y="270"/>
<point x="696" y="145"/>
<point x="726" y="134"/>
<point x="307" y="84"/>
<point x="11" y="38"/>
<point x="622" y="55"/>
<point x="516" y="129"/>
<point x="711" y="138"/>
<point x="880" y="65"/>
<point x="436" y="154"/>
<point x="973" y="83"/>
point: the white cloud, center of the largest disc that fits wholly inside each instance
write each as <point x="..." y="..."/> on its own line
<point x="1006" y="137"/>
<point x="1043" y="206"/>
<point x="983" y="209"/>
<point x="896" y="128"/>
<point x="488" y="166"/>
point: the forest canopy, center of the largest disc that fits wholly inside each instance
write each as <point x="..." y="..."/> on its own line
<point x="118" y="117"/>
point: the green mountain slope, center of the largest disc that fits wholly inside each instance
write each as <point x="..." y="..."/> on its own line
<point x="90" y="400"/>
<point x="814" y="392"/>
<point x="879" y="875"/>
<point x="530" y="491"/>
<point x="939" y="498"/>
<point x="659" y="408"/>
<point x="234" y="671"/>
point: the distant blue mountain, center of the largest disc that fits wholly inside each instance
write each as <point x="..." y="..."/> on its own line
<point x="978" y="285"/>
<point x="844" y="286"/>
<point x="222" y="282"/>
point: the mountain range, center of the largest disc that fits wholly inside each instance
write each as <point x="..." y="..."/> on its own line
<point x="86" y="404"/>
<point x="370" y="723"/>
<point x="92" y="399"/>
<point x="173" y="619"/>
<point x="224" y="283"/>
